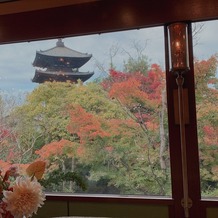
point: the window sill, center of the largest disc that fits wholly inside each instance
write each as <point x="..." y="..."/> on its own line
<point x="160" y="200"/>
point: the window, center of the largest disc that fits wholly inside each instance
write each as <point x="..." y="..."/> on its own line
<point x="110" y="133"/>
<point x="206" y="76"/>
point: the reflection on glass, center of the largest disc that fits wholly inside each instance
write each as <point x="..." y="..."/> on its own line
<point x="105" y="133"/>
<point x="206" y="83"/>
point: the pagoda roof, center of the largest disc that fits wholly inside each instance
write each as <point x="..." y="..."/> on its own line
<point x="43" y="76"/>
<point x="60" y="56"/>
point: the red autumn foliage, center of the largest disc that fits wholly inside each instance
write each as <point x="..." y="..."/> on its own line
<point x="121" y="127"/>
<point x="53" y="148"/>
<point x="4" y="165"/>
<point x="8" y="148"/>
<point x="109" y="148"/>
<point x="128" y="91"/>
<point x="211" y="134"/>
<point x="136" y="85"/>
<point x="86" y="125"/>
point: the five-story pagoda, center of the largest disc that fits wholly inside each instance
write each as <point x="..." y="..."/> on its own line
<point x="60" y="64"/>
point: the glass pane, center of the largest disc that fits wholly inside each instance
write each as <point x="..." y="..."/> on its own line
<point x="206" y="82"/>
<point x="106" y="134"/>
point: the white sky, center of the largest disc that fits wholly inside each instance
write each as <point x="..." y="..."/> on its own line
<point x="16" y="70"/>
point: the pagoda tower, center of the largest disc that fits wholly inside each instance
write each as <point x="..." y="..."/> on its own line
<point x="60" y="64"/>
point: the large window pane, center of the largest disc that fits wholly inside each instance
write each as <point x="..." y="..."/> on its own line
<point x="206" y="83"/>
<point x="109" y="133"/>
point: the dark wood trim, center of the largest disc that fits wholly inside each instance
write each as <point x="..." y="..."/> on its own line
<point x="171" y="211"/>
<point x="101" y="16"/>
<point x="209" y="202"/>
<point x="191" y="137"/>
<point x="115" y="15"/>
<point x="111" y="199"/>
<point x="174" y="137"/>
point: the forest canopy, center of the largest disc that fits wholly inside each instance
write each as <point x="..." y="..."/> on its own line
<point x="109" y="136"/>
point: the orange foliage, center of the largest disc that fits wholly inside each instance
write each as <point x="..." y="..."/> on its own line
<point x="128" y="91"/>
<point x="119" y="126"/>
<point x="211" y="135"/>
<point x="54" y="148"/>
<point x="11" y="155"/>
<point x="4" y="165"/>
<point x="128" y="87"/>
<point x="206" y="66"/>
<point x="152" y="126"/>
<point x="85" y="125"/>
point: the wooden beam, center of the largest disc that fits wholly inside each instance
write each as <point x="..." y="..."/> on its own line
<point x="101" y="16"/>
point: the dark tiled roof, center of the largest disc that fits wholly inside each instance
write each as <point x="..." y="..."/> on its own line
<point x="60" y="50"/>
<point x="43" y="76"/>
<point x="59" y="62"/>
<point x="60" y="57"/>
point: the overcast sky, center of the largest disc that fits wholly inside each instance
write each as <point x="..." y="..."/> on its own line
<point x="16" y="70"/>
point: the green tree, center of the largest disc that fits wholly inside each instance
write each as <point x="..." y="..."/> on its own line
<point x="207" y="114"/>
<point x="137" y="62"/>
<point x="46" y="113"/>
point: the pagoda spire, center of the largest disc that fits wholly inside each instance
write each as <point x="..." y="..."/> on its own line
<point x="60" y="43"/>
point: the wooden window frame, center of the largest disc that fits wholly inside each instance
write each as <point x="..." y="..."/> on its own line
<point x="116" y="15"/>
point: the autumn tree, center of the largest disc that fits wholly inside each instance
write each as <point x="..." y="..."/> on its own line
<point x="143" y="99"/>
<point x="115" y="150"/>
<point x="137" y="63"/>
<point x="107" y="139"/>
<point x="46" y="113"/>
<point x="42" y="118"/>
<point x="137" y="60"/>
<point x="207" y="113"/>
<point x="9" y="148"/>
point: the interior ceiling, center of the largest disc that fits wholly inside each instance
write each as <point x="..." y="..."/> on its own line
<point x="18" y="6"/>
